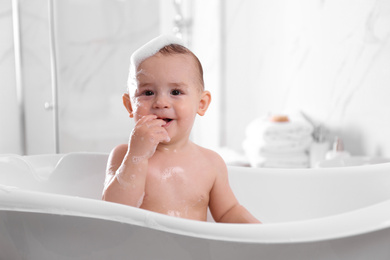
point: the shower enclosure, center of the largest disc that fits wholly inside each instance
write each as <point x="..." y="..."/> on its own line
<point x="71" y="68"/>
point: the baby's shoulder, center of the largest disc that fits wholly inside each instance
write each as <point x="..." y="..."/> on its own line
<point x="117" y="154"/>
<point x="119" y="150"/>
<point x="211" y="157"/>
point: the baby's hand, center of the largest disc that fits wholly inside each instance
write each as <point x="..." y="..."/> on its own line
<point x="146" y="135"/>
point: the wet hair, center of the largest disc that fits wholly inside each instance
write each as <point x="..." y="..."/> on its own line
<point x="179" y="49"/>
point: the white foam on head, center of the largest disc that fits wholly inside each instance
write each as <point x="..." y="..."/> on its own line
<point x="149" y="49"/>
<point x="152" y="47"/>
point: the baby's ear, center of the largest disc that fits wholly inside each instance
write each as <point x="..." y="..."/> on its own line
<point x="204" y="102"/>
<point x="127" y="104"/>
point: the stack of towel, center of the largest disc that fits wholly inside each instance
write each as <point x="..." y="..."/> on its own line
<point x="278" y="143"/>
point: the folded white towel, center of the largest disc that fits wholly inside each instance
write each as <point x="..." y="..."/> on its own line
<point x="262" y="129"/>
<point x="277" y="146"/>
<point x="288" y="160"/>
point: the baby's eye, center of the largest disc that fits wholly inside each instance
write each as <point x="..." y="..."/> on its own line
<point x="176" y="92"/>
<point x="148" y="93"/>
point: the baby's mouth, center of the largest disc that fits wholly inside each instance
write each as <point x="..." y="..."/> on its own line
<point x="167" y="120"/>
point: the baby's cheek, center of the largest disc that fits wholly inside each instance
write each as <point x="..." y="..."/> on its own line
<point x="135" y="103"/>
<point x="139" y="108"/>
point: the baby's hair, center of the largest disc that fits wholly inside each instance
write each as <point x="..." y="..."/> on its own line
<point x="179" y="49"/>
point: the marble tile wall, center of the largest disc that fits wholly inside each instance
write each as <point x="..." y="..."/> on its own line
<point x="94" y="41"/>
<point x="329" y="59"/>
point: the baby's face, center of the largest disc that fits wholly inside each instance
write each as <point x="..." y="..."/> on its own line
<point x="168" y="86"/>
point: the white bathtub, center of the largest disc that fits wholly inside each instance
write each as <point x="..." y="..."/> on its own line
<point x="50" y="208"/>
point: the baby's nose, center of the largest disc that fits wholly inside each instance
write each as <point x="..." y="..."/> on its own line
<point x="161" y="101"/>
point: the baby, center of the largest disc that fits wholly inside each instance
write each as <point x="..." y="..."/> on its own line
<point x="160" y="169"/>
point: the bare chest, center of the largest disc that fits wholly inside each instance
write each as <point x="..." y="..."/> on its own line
<point x="176" y="190"/>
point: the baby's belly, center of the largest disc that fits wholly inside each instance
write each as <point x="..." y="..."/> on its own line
<point x="181" y="209"/>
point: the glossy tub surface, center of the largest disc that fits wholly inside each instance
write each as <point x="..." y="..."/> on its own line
<point x="50" y="208"/>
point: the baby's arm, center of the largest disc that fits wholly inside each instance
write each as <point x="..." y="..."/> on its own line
<point x="128" y="164"/>
<point x="223" y="204"/>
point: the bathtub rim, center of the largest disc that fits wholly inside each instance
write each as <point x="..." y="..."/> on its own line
<point x="305" y="230"/>
<point x="357" y="222"/>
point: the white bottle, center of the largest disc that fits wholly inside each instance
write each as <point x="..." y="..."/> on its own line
<point x="318" y="151"/>
<point x="338" y="150"/>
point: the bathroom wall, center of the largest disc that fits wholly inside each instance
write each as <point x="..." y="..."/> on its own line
<point x="94" y="41"/>
<point x="329" y="59"/>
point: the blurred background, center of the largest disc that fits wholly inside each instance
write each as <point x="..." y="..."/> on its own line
<point x="326" y="59"/>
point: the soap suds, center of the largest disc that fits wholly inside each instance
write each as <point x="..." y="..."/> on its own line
<point x="147" y="50"/>
<point x="138" y="159"/>
<point x="125" y="183"/>
<point x="151" y="48"/>
<point x="174" y="213"/>
<point x="171" y="172"/>
<point x="141" y="200"/>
